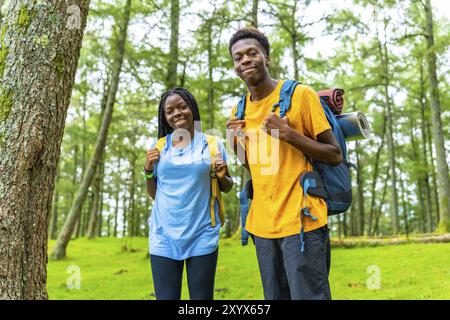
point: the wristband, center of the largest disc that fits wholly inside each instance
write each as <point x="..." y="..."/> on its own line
<point x="147" y="176"/>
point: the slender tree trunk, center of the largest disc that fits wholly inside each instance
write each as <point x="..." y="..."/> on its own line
<point x="173" y="54"/>
<point x="434" y="186"/>
<point x="93" y="216"/>
<point x="422" y="204"/>
<point x="1" y="16"/>
<point x="100" y="207"/>
<point x="131" y="204"/>
<point x="295" y="57"/>
<point x="405" y="209"/>
<point x="147" y="215"/>
<point x="380" y="208"/>
<point x="79" y="229"/>
<point x="254" y="14"/>
<point x="36" y="81"/>
<point x="210" y="77"/>
<point x="183" y="74"/>
<point x="423" y="123"/>
<point x="59" y="251"/>
<point x="339" y="219"/>
<point x="95" y="213"/>
<point x="353" y="220"/>
<point x="294" y="41"/>
<point x="108" y="227"/>
<point x="375" y="178"/>
<point x="383" y="50"/>
<point x="124" y="227"/>
<point x="116" y="209"/>
<point x="360" y="182"/>
<point x="443" y="179"/>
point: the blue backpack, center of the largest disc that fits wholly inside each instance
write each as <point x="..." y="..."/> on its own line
<point x="332" y="183"/>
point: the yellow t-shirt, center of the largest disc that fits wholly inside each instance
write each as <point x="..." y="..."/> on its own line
<point x="276" y="166"/>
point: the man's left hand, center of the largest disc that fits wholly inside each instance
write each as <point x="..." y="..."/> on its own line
<point x="273" y="121"/>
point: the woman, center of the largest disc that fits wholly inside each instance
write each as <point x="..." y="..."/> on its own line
<point x="182" y="224"/>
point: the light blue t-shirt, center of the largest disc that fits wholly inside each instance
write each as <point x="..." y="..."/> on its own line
<point x="180" y="224"/>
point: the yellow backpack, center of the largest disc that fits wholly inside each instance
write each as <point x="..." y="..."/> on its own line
<point x="215" y="189"/>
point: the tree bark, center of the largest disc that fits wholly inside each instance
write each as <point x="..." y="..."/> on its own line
<point x="360" y="183"/>
<point x="380" y="209"/>
<point x="384" y="56"/>
<point x="422" y="204"/>
<point x="38" y="61"/>
<point x="375" y="178"/>
<point x="131" y="204"/>
<point x="1" y="16"/>
<point x="423" y="126"/>
<point x="93" y="216"/>
<point x="116" y="209"/>
<point x="79" y="226"/>
<point x="405" y="209"/>
<point x="443" y="179"/>
<point x="210" y="76"/>
<point x="172" y="66"/>
<point x="59" y="251"/>
<point x="53" y="225"/>
<point x="434" y="186"/>
<point x="255" y="5"/>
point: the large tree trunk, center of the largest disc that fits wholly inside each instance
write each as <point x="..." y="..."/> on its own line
<point x="40" y="47"/>
<point x="173" y="54"/>
<point x="59" y="251"/>
<point x="443" y="179"/>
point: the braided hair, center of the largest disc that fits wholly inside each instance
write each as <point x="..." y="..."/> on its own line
<point x="163" y="127"/>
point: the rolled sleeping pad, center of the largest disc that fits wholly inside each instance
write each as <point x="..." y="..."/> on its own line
<point x="354" y="126"/>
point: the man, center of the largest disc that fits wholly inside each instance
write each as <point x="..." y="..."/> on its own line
<point x="275" y="219"/>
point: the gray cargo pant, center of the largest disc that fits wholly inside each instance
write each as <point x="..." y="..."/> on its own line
<point x="289" y="274"/>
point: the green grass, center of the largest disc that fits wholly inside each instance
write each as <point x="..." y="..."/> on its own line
<point x="120" y="269"/>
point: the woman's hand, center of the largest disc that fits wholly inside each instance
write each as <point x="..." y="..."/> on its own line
<point x="220" y="166"/>
<point x="151" y="159"/>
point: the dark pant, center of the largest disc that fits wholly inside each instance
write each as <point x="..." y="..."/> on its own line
<point x="168" y="274"/>
<point x="287" y="273"/>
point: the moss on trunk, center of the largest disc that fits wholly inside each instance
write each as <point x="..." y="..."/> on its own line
<point x="6" y="103"/>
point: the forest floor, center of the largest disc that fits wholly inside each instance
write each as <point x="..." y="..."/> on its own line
<point x="113" y="268"/>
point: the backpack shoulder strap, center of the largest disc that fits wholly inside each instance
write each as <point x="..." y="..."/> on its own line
<point x="335" y="127"/>
<point x="213" y="147"/>
<point x="286" y="92"/>
<point x="240" y="110"/>
<point x="160" y="144"/>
